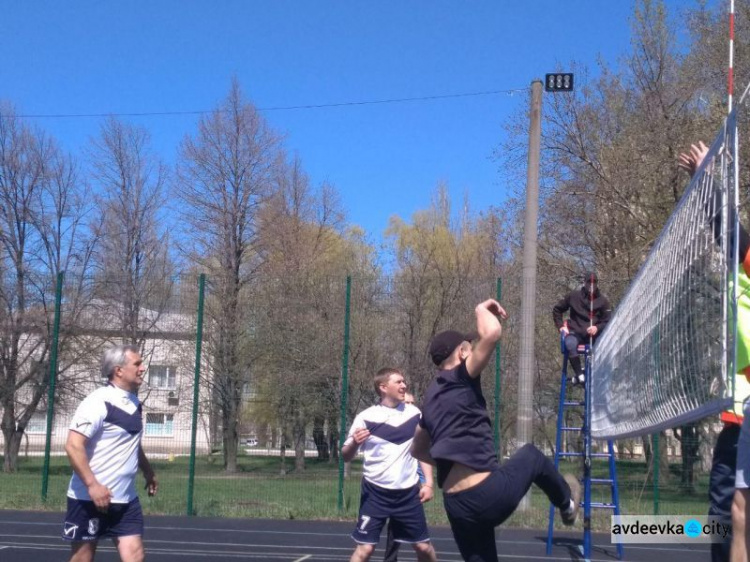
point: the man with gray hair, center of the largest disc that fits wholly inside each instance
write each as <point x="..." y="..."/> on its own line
<point x="104" y="449"/>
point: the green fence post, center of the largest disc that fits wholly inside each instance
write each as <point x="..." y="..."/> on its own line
<point x="344" y="390"/>
<point x="498" y="359"/>
<point x="52" y="382"/>
<point x="657" y="461"/>
<point x="196" y="392"/>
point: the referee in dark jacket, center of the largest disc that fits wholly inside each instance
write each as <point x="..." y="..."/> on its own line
<point x="588" y="314"/>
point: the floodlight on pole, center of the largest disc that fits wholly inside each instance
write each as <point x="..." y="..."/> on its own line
<point x="558" y="82"/>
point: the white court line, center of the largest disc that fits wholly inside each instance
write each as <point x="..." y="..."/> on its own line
<point x="269" y="556"/>
<point x="308" y="533"/>
<point x="316" y="534"/>
<point x="210" y="544"/>
<point x="212" y="554"/>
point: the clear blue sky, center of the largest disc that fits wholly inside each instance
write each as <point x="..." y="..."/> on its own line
<point x="88" y="57"/>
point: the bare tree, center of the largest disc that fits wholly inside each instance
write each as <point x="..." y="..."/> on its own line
<point x="135" y="272"/>
<point x="225" y="173"/>
<point x="41" y="235"/>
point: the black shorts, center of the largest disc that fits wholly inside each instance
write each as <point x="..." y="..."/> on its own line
<point x="83" y="522"/>
<point x="403" y="508"/>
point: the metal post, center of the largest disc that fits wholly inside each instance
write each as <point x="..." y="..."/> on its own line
<point x="344" y="389"/>
<point x="498" y="363"/>
<point x="196" y="392"/>
<point x="655" y="456"/>
<point x="528" y="300"/>
<point x="52" y="382"/>
<point x="587" y="456"/>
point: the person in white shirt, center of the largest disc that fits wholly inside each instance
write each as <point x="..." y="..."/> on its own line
<point x="390" y="484"/>
<point x="104" y="449"/>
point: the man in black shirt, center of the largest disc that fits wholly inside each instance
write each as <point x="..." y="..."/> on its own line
<point x="589" y="314"/>
<point x="455" y="434"/>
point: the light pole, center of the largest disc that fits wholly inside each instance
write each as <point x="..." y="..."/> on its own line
<point x="562" y="82"/>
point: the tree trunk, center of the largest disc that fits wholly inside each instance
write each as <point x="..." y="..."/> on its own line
<point x="9" y="428"/>
<point x="282" y="448"/>
<point x="319" y="436"/>
<point x="11" y="448"/>
<point x="690" y="447"/>
<point x="646" y="441"/>
<point x="333" y="440"/>
<point x="299" y="442"/>
<point x="230" y="438"/>
<point x="262" y="434"/>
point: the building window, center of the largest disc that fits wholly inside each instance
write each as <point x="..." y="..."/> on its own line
<point x="248" y="391"/>
<point x="159" y="424"/>
<point x="162" y="376"/>
<point x="37" y="423"/>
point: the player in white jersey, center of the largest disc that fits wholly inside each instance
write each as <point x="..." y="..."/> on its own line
<point x="104" y="448"/>
<point x="390" y="484"/>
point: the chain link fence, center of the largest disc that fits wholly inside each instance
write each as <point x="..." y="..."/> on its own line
<point x="251" y="388"/>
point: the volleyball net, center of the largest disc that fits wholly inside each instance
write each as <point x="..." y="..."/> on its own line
<point x="667" y="356"/>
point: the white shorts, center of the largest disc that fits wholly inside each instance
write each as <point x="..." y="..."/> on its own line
<point x="742" y="478"/>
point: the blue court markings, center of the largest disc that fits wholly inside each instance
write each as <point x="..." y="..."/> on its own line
<point x="35" y="536"/>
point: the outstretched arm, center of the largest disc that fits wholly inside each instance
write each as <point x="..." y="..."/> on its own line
<point x="489" y="329"/>
<point x="690" y="162"/>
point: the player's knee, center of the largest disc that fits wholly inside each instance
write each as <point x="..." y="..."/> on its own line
<point x="423" y="546"/>
<point x="137" y="555"/>
<point x="739" y="508"/>
<point x="364" y="551"/>
<point x="132" y="552"/>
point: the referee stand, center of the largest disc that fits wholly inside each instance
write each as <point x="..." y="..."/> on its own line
<point x="584" y="407"/>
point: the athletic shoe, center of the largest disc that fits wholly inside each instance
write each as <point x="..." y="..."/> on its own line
<point x="571" y="512"/>
<point x="581" y="378"/>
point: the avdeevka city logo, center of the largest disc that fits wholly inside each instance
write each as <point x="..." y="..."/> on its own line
<point x="693" y="528"/>
<point x="668" y="529"/>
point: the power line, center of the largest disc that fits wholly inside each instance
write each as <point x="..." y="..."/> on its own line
<point x="275" y="108"/>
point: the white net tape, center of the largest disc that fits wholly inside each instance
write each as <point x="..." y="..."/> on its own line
<point x="665" y="356"/>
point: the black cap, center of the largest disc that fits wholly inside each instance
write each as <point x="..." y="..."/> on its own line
<point x="444" y="343"/>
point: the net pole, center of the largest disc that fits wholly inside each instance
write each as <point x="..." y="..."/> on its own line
<point x="52" y="383"/>
<point x="591" y="310"/>
<point x="344" y="390"/>
<point x="196" y="392"/>
<point x="730" y="73"/>
<point x="657" y="462"/>
<point x="498" y="363"/>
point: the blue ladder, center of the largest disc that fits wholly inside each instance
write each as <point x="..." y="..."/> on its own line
<point x="586" y="455"/>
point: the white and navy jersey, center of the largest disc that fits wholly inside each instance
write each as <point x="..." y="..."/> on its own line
<point x="111" y="420"/>
<point x="388" y="462"/>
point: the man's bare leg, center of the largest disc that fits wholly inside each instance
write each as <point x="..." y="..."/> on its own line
<point x="739" y="527"/>
<point x="130" y="548"/>
<point x="83" y="551"/>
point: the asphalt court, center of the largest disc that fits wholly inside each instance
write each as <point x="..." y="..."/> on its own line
<point x="35" y="536"/>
